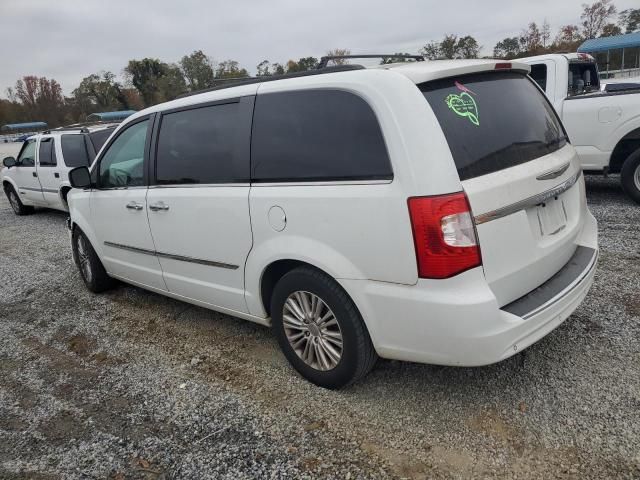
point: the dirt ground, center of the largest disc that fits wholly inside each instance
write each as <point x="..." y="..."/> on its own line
<point x="129" y="384"/>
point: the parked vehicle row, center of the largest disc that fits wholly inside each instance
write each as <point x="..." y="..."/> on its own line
<point x="38" y="177"/>
<point x="604" y="127"/>
<point x="429" y="211"/>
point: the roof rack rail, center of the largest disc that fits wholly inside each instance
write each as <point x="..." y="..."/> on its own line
<point x="324" y="60"/>
<point x="235" y="82"/>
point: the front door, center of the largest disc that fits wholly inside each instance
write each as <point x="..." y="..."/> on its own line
<point x="49" y="172"/>
<point x="199" y="206"/>
<point x="119" y="211"/>
<point x="26" y="176"/>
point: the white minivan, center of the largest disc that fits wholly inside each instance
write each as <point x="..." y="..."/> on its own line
<point x="429" y="211"/>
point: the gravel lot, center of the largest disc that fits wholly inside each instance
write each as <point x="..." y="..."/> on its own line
<point x="130" y="384"/>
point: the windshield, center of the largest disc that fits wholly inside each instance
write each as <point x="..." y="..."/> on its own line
<point x="493" y="120"/>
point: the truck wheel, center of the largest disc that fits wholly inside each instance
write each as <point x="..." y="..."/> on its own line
<point x="630" y="176"/>
<point x="320" y="330"/>
<point x="91" y="269"/>
<point x="14" y="199"/>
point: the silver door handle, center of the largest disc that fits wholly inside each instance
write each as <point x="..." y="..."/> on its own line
<point x="159" y="206"/>
<point x="134" y="206"/>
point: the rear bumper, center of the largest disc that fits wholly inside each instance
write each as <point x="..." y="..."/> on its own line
<point x="458" y="321"/>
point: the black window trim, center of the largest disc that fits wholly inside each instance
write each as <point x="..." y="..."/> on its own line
<point x="53" y="146"/>
<point x="356" y="179"/>
<point x="95" y="171"/>
<point x="243" y="161"/>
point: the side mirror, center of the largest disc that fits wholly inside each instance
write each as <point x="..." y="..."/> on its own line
<point x="80" y="177"/>
<point x="9" y="162"/>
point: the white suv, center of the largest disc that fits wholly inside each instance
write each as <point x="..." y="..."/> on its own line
<point x="429" y="211"/>
<point x="39" y="176"/>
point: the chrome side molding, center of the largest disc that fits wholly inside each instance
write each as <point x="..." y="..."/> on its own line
<point x="529" y="202"/>
<point x="171" y="256"/>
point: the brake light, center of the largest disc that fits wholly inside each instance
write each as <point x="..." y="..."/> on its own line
<point x="503" y="66"/>
<point x="444" y="235"/>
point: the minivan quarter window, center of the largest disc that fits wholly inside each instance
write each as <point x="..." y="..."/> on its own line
<point x="316" y="135"/>
<point x="122" y="164"/>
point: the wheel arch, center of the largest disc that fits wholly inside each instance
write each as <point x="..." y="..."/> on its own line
<point x="628" y="144"/>
<point x="272" y="274"/>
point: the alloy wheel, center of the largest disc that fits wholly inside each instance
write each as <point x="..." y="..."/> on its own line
<point x="13" y="200"/>
<point x="636" y="177"/>
<point x="312" y="330"/>
<point x="83" y="258"/>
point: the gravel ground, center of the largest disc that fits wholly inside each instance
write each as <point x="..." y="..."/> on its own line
<point x="130" y="384"/>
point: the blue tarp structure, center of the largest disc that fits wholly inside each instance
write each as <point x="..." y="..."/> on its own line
<point x="110" y="116"/>
<point x="603" y="44"/>
<point x="22" y="127"/>
<point x="617" y="56"/>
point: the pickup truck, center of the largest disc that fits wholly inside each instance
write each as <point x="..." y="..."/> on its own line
<point x="604" y="127"/>
<point x="39" y="177"/>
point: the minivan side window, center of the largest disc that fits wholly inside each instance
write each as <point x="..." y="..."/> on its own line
<point x="316" y="135"/>
<point x="74" y="150"/>
<point x="47" y="153"/>
<point x="122" y="164"/>
<point x="27" y="157"/>
<point x="201" y="145"/>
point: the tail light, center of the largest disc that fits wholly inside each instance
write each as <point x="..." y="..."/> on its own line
<point x="444" y="235"/>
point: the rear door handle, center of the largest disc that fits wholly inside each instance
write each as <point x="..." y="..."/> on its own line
<point x="159" y="206"/>
<point x="34" y="174"/>
<point x="134" y="206"/>
<point x="56" y="174"/>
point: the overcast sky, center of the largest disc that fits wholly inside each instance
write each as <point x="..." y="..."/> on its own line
<point x="70" y="39"/>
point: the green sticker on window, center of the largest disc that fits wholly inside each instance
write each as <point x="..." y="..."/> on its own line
<point x="464" y="104"/>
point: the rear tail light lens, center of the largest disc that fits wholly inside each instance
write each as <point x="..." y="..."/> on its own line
<point x="444" y="235"/>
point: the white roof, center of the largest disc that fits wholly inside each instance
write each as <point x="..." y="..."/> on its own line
<point x="417" y="72"/>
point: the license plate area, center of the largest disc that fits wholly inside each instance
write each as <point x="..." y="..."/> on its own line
<point x="552" y="216"/>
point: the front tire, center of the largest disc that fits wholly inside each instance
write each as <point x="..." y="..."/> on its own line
<point x="630" y="176"/>
<point x="320" y="330"/>
<point x="16" y="204"/>
<point x="91" y="269"/>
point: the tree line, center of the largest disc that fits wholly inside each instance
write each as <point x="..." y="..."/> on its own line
<point x="150" y="81"/>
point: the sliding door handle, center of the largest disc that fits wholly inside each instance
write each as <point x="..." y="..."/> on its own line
<point x="134" y="206"/>
<point x="159" y="206"/>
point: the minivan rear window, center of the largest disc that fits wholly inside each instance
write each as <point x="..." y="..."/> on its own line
<point x="493" y="121"/>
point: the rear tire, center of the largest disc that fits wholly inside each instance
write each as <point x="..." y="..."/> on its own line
<point x="630" y="176"/>
<point x="16" y="204"/>
<point x="91" y="269"/>
<point x="320" y="330"/>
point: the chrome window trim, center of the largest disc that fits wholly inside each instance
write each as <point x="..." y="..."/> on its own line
<point x="172" y="256"/>
<point x="200" y="185"/>
<point x="529" y="202"/>
<point x="321" y="183"/>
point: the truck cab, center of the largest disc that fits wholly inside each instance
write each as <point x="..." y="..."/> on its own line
<point x="603" y="126"/>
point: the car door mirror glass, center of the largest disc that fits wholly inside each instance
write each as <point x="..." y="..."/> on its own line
<point x="9" y="162"/>
<point x="80" y="177"/>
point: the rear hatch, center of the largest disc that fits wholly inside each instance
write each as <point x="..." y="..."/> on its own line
<point x="522" y="179"/>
